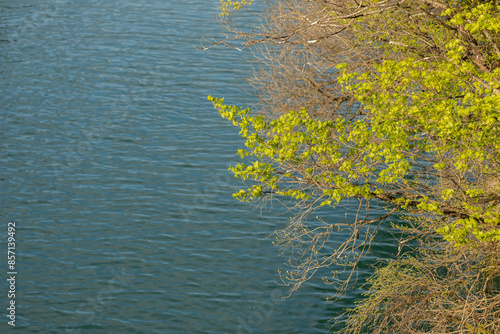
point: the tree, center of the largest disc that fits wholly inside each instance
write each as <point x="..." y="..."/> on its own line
<point x="396" y="102"/>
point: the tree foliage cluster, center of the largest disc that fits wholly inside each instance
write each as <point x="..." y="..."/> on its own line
<point x="393" y="104"/>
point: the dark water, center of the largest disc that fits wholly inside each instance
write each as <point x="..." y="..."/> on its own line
<point x="114" y="167"/>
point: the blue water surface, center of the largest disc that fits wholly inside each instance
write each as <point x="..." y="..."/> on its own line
<point x="114" y="167"/>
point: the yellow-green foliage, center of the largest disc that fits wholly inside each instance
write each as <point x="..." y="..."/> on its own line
<point x="227" y="6"/>
<point x="443" y="113"/>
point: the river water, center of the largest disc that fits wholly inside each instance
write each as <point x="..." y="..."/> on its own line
<point x="114" y="167"/>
